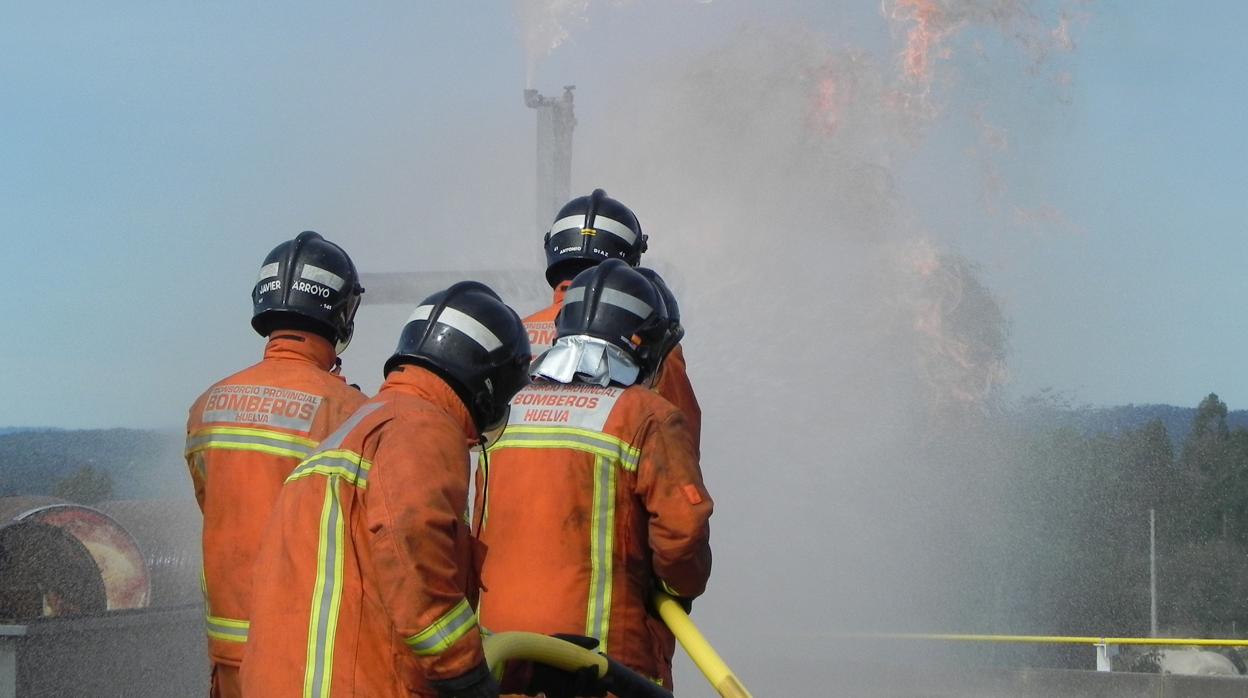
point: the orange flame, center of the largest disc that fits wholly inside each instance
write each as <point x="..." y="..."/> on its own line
<point x="827" y="110"/>
<point x="961" y="333"/>
<point x="923" y="41"/>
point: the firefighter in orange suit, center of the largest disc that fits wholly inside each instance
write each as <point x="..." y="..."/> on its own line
<point x="586" y="231"/>
<point x="365" y="581"/>
<point x="593" y="497"/>
<point x="246" y="433"/>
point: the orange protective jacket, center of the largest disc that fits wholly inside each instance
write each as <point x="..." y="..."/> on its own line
<point x="673" y="382"/>
<point x="590" y="500"/>
<point x="244" y="436"/>
<point x="364" y="581"/>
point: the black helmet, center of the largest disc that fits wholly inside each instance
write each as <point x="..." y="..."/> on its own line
<point x="307" y="283"/>
<point x="671" y="310"/>
<point x="473" y="341"/>
<point x="588" y="230"/>
<point x="615" y="303"/>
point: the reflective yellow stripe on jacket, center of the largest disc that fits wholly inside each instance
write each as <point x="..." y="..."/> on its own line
<point x="338" y="466"/>
<point x="219" y="628"/>
<point x="327" y="595"/>
<point x="586" y="440"/>
<point x="443" y="632"/>
<point x="608" y="451"/>
<point x="249" y="439"/>
<point x="227" y="629"/>
<point x="352" y="467"/>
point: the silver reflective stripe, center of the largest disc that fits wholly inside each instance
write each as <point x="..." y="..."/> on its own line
<point x="573" y="222"/>
<point x="463" y="322"/>
<point x="444" y="632"/>
<point x="632" y="304"/>
<point x="601" y="224"/>
<point x="268" y="271"/>
<point x="571" y="438"/>
<point x="352" y="468"/>
<point x="335" y="439"/>
<point x="318" y="680"/>
<point x="322" y="276"/>
<point x="228" y="630"/>
<point x="199" y="442"/>
<point x="574" y="295"/>
<point x="616" y="228"/>
<point x="598" y="614"/>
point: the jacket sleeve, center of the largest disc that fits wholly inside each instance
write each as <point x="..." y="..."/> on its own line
<point x="674" y="386"/>
<point x="669" y="483"/>
<point x="417" y="493"/>
<point x="195" y="461"/>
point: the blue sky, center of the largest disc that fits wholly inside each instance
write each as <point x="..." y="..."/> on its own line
<point x="154" y="152"/>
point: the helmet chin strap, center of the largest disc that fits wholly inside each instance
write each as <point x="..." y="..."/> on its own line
<point x="493" y="432"/>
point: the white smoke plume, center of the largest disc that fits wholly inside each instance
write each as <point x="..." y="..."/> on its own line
<point x="544" y="25"/>
<point x="847" y="358"/>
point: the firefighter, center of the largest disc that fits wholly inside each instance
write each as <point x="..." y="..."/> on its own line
<point x="247" y="432"/>
<point x="593" y="497"/>
<point x="586" y="231"/>
<point x="365" y="582"/>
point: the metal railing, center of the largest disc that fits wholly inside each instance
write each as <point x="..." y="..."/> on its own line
<point x="1103" y="645"/>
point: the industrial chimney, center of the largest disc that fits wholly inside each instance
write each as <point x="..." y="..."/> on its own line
<point x="555" y="123"/>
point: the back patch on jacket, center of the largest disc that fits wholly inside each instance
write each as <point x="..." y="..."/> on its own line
<point x="261" y="405"/>
<point x="572" y="405"/>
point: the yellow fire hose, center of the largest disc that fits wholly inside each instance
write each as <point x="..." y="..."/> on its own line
<point x="698" y="649"/>
<point x="551" y="651"/>
<point x="502" y="647"/>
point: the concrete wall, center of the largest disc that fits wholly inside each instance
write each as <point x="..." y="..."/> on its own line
<point x="161" y="653"/>
<point x="1035" y="683"/>
<point x="147" y="653"/>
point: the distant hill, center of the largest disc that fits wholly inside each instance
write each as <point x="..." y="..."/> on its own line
<point x="1178" y="420"/>
<point x="143" y="464"/>
<point x="1113" y="420"/>
<point x="14" y="430"/>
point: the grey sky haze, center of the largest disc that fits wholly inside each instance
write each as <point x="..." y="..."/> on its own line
<point x="1088" y="157"/>
<point x="154" y="151"/>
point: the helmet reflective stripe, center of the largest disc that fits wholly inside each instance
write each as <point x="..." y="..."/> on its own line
<point x="268" y="271"/>
<point x="632" y="304"/>
<point x="575" y="222"/>
<point x="321" y="276"/>
<point x="616" y="228"/>
<point x="610" y="296"/>
<point x="464" y="323"/>
<point x="601" y="223"/>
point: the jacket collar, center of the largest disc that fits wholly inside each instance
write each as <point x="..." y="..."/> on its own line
<point x="414" y="380"/>
<point x="584" y="359"/>
<point x="295" y="345"/>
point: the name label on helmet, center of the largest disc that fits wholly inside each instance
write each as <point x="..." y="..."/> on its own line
<point x="314" y="289"/>
<point x="274" y="285"/>
<point x="577" y="248"/>
<point x="572" y="405"/>
<point x="261" y="404"/>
